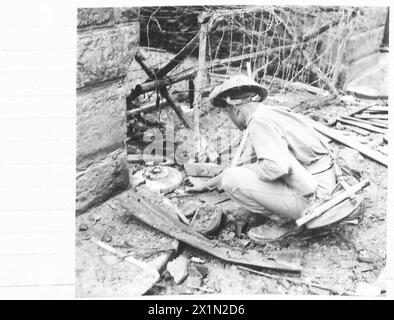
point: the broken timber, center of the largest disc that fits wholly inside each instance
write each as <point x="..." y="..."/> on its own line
<point x="146" y="108"/>
<point x="212" y="154"/>
<point x="201" y="75"/>
<point x="372" y="116"/>
<point x="329" y="204"/>
<point x="373" y="123"/>
<point x="362" y="125"/>
<point x="159" y="219"/>
<point x="349" y="142"/>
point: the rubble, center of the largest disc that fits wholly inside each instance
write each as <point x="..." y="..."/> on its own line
<point x="369" y="121"/>
<point x="178" y="269"/>
<point x="83" y="227"/>
<point x="364" y="256"/>
<point x="197" y="260"/>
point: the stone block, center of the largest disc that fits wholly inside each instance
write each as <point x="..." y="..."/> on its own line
<point x="104" y="55"/>
<point x="101" y="180"/>
<point x="101" y="121"/>
<point x="95" y="17"/>
<point x="363" y="44"/>
<point x="125" y="15"/>
<point x="370" y="18"/>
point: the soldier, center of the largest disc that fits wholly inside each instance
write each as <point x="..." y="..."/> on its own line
<point x="293" y="167"/>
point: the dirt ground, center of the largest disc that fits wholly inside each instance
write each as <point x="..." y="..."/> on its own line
<point x="339" y="259"/>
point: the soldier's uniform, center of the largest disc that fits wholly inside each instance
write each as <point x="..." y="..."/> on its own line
<point x="293" y="163"/>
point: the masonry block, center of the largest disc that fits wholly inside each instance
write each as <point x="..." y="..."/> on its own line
<point x="95" y="17"/>
<point x="101" y="121"/>
<point x="125" y="15"/>
<point x="104" y="55"/>
<point x="363" y="44"/>
<point x="101" y="180"/>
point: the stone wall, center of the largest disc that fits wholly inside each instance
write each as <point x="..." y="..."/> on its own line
<point x="107" y="42"/>
<point x="365" y="41"/>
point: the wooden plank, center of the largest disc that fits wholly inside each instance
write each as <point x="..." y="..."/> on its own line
<point x="372" y="116"/>
<point x="141" y="158"/>
<point x="166" y="95"/>
<point x="359" y="110"/>
<point x="179" y="57"/>
<point x="154" y="216"/>
<point x="318" y="211"/>
<point x="362" y="125"/>
<point x="357" y="130"/>
<point x="349" y="142"/>
<point x="377" y="109"/>
<point x="370" y="122"/>
<point x="201" y="76"/>
<point x="146" y="108"/>
<point x="382" y="123"/>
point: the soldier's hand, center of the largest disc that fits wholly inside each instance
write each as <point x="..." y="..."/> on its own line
<point x="198" y="185"/>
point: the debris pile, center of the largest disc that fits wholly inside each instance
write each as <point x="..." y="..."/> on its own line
<point x="177" y="233"/>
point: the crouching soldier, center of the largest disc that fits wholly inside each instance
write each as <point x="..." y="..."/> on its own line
<point x="293" y="167"/>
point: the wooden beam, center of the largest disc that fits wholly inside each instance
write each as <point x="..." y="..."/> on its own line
<point x="372" y="116"/>
<point x="166" y="95"/>
<point x="357" y="130"/>
<point x="377" y="109"/>
<point x="373" y="123"/>
<point x="254" y="54"/>
<point x="186" y="50"/>
<point x="359" y="110"/>
<point x="362" y="125"/>
<point x="140" y="59"/>
<point x="201" y="76"/>
<point x="160" y="83"/>
<point x="349" y="142"/>
<point x="179" y="57"/>
<point x="146" y="108"/>
<point x="211" y="153"/>
<point x="157" y="218"/>
<point x="318" y="211"/>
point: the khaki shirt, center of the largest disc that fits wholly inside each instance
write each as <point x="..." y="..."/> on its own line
<point x="285" y="144"/>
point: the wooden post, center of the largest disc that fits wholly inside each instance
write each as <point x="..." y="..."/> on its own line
<point x="200" y="79"/>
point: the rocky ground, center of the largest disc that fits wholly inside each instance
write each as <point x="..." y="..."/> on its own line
<point x="337" y="261"/>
